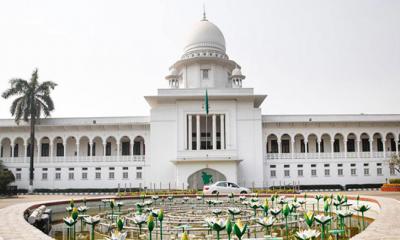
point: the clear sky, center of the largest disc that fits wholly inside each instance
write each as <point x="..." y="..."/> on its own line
<point x="308" y="56"/>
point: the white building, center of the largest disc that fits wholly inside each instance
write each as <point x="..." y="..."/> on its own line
<point x="178" y="143"/>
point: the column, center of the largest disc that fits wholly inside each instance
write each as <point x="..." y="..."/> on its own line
<point x="12" y="150"/>
<point x="306" y="148"/>
<point x="292" y="150"/>
<point x="214" y="131"/>
<point x="397" y="145"/>
<point x="332" y="148"/>
<point x="318" y="148"/>
<point x="189" y="132"/>
<point x="384" y="147"/>
<point x="51" y="150"/>
<point x="105" y="147"/>
<point x="77" y="150"/>
<point x="222" y="119"/>
<point x="198" y="132"/>
<point x="65" y="149"/>
<point x="358" y="148"/>
<point x="370" y="147"/>
<point x="279" y="148"/>
<point x="90" y="149"/>
<point x="24" y="153"/>
<point x="345" y="148"/>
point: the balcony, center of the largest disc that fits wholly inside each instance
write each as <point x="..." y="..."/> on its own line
<point x="328" y="155"/>
<point x="80" y="159"/>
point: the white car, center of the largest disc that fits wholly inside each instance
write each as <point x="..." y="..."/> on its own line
<point x="224" y="187"/>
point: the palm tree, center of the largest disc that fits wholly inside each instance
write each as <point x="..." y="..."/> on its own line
<point x="32" y="99"/>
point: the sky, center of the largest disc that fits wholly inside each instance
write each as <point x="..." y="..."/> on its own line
<point x="309" y="57"/>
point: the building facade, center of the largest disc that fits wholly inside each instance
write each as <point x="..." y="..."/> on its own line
<point x="183" y="139"/>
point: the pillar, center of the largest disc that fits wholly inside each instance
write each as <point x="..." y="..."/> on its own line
<point x="105" y="147"/>
<point x="198" y="132"/>
<point x="319" y="148"/>
<point x="77" y="150"/>
<point x="90" y="149"/>
<point x="190" y="129"/>
<point x="358" y="148"/>
<point x="222" y="132"/>
<point x="214" y="131"/>
<point x="332" y="148"/>
<point x="384" y="147"/>
<point x="397" y="145"/>
<point x="65" y="148"/>
<point x="345" y="148"/>
<point x="305" y="148"/>
<point x="12" y="150"/>
<point x="292" y="150"/>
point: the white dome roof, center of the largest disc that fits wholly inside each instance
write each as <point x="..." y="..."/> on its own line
<point x="205" y="35"/>
<point x="236" y="72"/>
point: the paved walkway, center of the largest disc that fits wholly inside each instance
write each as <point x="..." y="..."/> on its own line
<point x="14" y="227"/>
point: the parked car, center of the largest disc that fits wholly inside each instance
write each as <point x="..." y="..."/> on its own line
<point x="224" y="187"/>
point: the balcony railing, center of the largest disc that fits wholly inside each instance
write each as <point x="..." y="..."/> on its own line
<point x="67" y="159"/>
<point x="329" y="155"/>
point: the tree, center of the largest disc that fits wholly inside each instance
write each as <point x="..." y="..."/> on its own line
<point x="32" y="100"/>
<point x="394" y="162"/>
<point x="6" y="177"/>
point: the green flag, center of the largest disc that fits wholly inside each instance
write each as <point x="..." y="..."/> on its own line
<point x="206" y="102"/>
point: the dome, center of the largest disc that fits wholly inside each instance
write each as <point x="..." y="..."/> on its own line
<point x="205" y="36"/>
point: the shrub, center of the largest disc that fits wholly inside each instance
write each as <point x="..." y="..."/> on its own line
<point x="6" y="177"/>
<point x="394" y="180"/>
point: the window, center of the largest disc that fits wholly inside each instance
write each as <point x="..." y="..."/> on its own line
<point x="321" y="146"/>
<point x="366" y="171"/>
<point x="97" y="169"/>
<point x="274" y="146"/>
<point x="138" y="175"/>
<point x="366" y="164"/>
<point x="111" y="175"/>
<point x="285" y="146"/>
<point x="16" y="150"/>
<point x="108" y="149"/>
<point x="204" y="74"/>
<point x="352" y="165"/>
<point x="44" y="176"/>
<point x="379" y="164"/>
<point x="84" y="169"/>
<point x="299" y="165"/>
<point x="273" y="173"/>
<point x="287" y="173"/>
<point x="327" y="172"/>
<point x="111" y="168"/>
<point x="365" y="145"/>
<point x="302" y="146"/>
<point x="18" y="176"/>
<point x="58" y="176"/>
<point x="125" y="175"/>
<point x="84" y="175"/>
<point x="71" y="176"/>
<point x="45" y="150"/>
<point x="94" y="149"/>
<point x="313" y="172"/>
<point x="125" y="148"/>
<point x="98" y="175"/>
<point x="379" y="144"/>
<point x="272" y="166"/>
<point x="336" y="145"/>
<point x="71" y="169"/>
<point x="286" y="166"/>
<point x="59" y="150"/>
<point x="300" y="172"/>
<point x="353" y="172"/>
<point x="326" y="165"/>
<point x="379" y="171"/>
<point x="340" y="172"/>
<point x="340" y="165"/>
<point x="351" y="147"/>
<point x="313" y="165"/>
<point x="125" y="168"/>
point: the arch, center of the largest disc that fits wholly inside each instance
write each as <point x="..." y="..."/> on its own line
<point x="71" y="146"/>
<point x="58" y="146"/>
<point x="125" y="143"/>
<point x="338" y="142"/>
<point x="352" y="145"/>
<point x="286" y="146"/>
<point x="18" y="147"/>
<point x="97" y="146"/>
<point x="111" y="146"/>
<point x="365" y="142"/>
<point x="83" y="146"/>
<point x="203" y="177"/>
<point x="312" y="143"/>
<point x="45" y="145"/>
<point x="299" y="143"/>
<point x="390" y="142"/>
<point x="139" y="147"/>
<point x="5" y="145"/>
<point x="325" y="143"/>
<point x="377" y="142"/>
<point x="272" y="143"/>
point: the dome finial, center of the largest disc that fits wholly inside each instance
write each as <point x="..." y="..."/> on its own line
<point x="204" y="12"/>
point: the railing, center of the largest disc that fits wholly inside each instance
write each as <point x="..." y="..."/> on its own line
<point x="328" y="155"/>
<point x="67" y="159"/>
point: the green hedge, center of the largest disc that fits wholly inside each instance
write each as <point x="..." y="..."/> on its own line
<point x="394" y="180"/>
